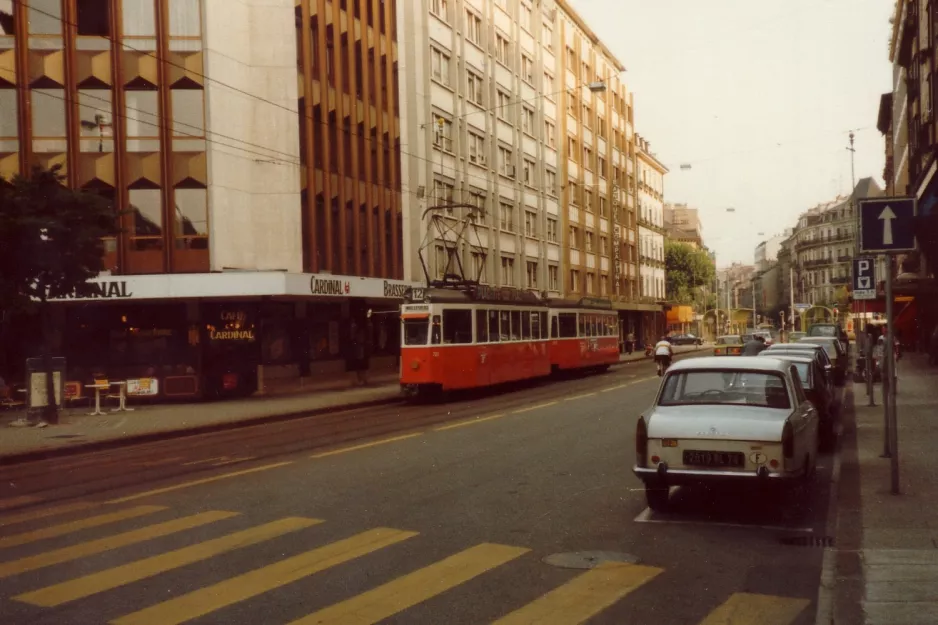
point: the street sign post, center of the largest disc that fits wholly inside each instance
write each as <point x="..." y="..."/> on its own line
<point x="887" y="225"/>
<point x="864" y="278"/>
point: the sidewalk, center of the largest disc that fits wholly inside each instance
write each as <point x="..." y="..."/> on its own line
<point x="887" y="560"/>
<point x="152" y="422"/>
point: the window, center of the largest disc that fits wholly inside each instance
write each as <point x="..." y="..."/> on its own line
<point x="188" y="112"/>
<point x="527" y="68"/>
<point x="48" y="114"/>
<point x="457" y="326"/>
<point x="478" y="266"/>
<point x="502" y="102"/>
<point x="146" y="206"/>
<point x="494" y="333"/>
<point x="590" y="280"/>
<point x="603" y="285"/>
<point x="574" y="238"/>
<point x="571" y="148"/>
<point x="604" y="246"/>
<point x="501" y="48"/>
<point x="93" y="18"/>
<point x="603" y="207"/>
<point x="530" y="223"/>
<point x="477" y="199"/>
<point x="530" y="278"/>
<point x="589" y="242"/>
<point x="139" y="18"/>
<point x="767" y="390"/>
<point x="550" y="131"/>
<point x="529" y="172"/>
<point x="567" y="325"/>
<point x="508" y="271"/>
<point x="506" y="217"/>
<point x="8" y="104"/>
<point x="574" y="280"/>
<point x="601" y="166"/>
<point x="416" y="331"/>
<point x="553" y="279"/>
<point x="526" y="16"/>
<point x="439" y="66"/>
<point x="550" y="181"/>
<point x="443" y="134"/>
<point x="476" y="148"/>
<point x="443" y="191"/>
<point x="527" y="120"/>
<point x="45" y="17"/>
<point x="473" y="28"/>
<point x="95" y="120"/>
<point x="587" y="115"/>
<point x="474" y="88"/>
<point x="191" y="228"/>
<point x="552" y="230"/>
<point x="515" y="325"/>
<point x="549" y="86"/>
<point x="505" y="165"/>
<point x="184" y="18"/>
<point x="601" y="127"/>
<point x="587" y="158"/>
<point x="547" y="37"/>
<point x="440" y="8"/>
<point x="482" y="326"/>
<point x="588" y="200"/>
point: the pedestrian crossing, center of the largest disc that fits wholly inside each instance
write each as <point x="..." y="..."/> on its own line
<point x="93" y="545"/>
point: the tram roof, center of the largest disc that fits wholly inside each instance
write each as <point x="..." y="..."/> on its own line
<point x="501" y="295"/>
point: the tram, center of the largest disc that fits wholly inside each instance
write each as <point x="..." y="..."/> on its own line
<point x="479" y="336"/>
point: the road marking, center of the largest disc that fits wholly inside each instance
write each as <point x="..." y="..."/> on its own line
<point x="530" y="408"/>
<point x="383" y="441"/>
<point x="109" y="579"/>
<point x="205" y="600"/>
<point x="206" y="480"/>
<point x="633" y="382"/>
<point x="46" y="512"/>
<point x="233" y="461"/>
<point x="584" y="596"/>
<point x="204" y="461"/>
<point x="16" y="502"/>
<point x="74" y="526"/>
<point x="91" y="547"/>
<point x="645" y="517"/>
<point x="156" y="463"/>
<point x="576" y="397"/>
<point x="744" y="608"/>
<point x="404" y="592"/>
<point x="463" y="424"/>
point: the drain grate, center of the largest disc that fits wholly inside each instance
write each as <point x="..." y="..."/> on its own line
<point x="807" y="541"/>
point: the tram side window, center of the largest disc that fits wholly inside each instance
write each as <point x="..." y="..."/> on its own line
<point x="568" y="325"/>
<point x="516" y="325"/>
<point x="457" y="326"/>
<point x="554" y="327"/>
<point x="525" y="325"/>
<point x="543" y="323"/>
<point x="581" y="324"/>
<point x="493" y="326"/>
<point x="416" y="330"/>
<point x="504" y="319"/>
<point x="482" y="328"/>
<point x="535" y="326"/>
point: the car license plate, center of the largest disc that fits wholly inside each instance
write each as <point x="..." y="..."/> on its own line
<point x="714" y="458"/>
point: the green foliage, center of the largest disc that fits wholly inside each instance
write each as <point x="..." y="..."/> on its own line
<point x="52" y="238"/>
<point x="686" y="270"/>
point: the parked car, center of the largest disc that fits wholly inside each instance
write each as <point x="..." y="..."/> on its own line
<point x="729" y="345"/>
<point x="726" y="421"/>
<point x="819" y="353"/>
<point x="818" y="390"/>
<point x="830" y="330"/>
<point x="686" y="339"/>
<point x="794" y="337"/>
<point x="837" y="353"/>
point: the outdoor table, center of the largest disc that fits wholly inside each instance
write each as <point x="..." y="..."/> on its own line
<point x="122" y="397"/>
<point x="97" y="397"/>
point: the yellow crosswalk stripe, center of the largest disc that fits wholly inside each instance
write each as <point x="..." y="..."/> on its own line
<point x="744" y="608"/>
<point x="43" y="513"/>
<point x="584" y="596"/>
<point x="109" y="579"/>
<point x="74" y="526"/>
<point x="15" y="502"/>
<point x="206" y="480"/>
<point x="413" y="588"/>
<point x="91" y="547"/>
<point x="205" y="600"/>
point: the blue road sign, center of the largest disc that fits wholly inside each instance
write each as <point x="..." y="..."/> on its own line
<point x="887" y="224"/>
<point x="864" y="278"/>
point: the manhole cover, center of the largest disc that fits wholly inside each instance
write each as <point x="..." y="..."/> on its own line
<point x="808" y="541"/>
<point x="588" y="559"/>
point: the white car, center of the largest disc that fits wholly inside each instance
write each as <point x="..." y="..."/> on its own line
<point x="726" y="420"/>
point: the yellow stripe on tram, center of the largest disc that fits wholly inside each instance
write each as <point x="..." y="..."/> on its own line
<point x="109" y="579"/>
<point x="91" y="547"/>
<point x="744" y="608"/>
<point x="413" y="588"/>
<point x="584" y="596"/>
<point x="205" y="600"/>
<point x="74" y="526"/>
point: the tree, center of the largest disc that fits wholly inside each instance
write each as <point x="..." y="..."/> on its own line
<point x="686" y="270"/>
<point x="51" y="246"/>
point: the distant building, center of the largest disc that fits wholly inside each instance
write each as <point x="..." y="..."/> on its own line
<point x="650" y="221"/>
<point x="682" y="224"/>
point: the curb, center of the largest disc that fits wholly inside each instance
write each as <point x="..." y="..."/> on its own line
<point x="149" y="437"/>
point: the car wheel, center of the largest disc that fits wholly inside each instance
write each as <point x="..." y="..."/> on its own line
<point x="657" y="498"/>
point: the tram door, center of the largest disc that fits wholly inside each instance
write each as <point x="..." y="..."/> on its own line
<point x="484" y="365"/>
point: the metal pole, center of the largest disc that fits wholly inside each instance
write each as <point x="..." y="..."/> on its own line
<point x="889" y="396"/>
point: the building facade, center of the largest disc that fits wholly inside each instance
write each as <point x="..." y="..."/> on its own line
<point x="650" y="180"/>
<point x="682" y="224"/>
<point x="249" y="149"/>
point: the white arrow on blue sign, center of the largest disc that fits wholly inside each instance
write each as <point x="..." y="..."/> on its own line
<point x="887" y="225"/>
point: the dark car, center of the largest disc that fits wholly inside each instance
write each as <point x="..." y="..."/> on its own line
<point x="686" y="339"/>
<point x="831" y="330"/>
<point x="817" y="389"/>
<point x="819" y="353"/>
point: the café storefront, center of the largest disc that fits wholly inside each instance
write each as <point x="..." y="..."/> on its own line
<point x="225" y="334"/>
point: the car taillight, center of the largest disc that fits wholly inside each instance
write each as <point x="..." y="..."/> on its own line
<point x="641" y="442"/>
<point x="788" y="441"/>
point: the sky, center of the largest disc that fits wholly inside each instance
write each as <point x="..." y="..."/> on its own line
<point x="758" y="96"/>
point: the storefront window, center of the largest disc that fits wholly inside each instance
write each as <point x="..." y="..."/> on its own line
<point x="324" y="332"/>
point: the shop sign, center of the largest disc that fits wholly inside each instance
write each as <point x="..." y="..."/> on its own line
<point x="108" y="289"/>
<point x="235" y="327"/>
<point x="396" y="290"/>
<point x="328" y="286"/>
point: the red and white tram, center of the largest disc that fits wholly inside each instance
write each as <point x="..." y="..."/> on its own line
<point x="477" y="337"/>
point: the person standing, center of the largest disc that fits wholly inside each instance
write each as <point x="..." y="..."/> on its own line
<point x="630" y="343"/>
<point x="754" y="346"/>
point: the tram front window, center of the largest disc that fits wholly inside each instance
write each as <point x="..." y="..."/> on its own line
<point x="416" y="331"/>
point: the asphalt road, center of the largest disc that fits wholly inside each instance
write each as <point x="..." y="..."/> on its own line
<point x="448" y="521"/>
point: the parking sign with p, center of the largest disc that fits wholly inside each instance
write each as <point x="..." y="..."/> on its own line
<point x="864" y="278"/>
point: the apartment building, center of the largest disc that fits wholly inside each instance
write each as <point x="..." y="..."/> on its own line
<point x="651" y="232"/>
<point x="249" y="148"/>
<point x="682" y="224"/>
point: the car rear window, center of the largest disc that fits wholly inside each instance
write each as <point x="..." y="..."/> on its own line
<point x="747" y="388"/>
<point x="729" y="340"/>
<point x="823" y="331"/>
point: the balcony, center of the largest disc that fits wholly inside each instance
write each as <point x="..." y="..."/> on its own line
<point x="840" y="279"/>
<point x="844" y="258"/>
<point x="803" y="245"/>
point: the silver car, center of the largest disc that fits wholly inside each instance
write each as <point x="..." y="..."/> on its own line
<point x="726" y="420"/>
